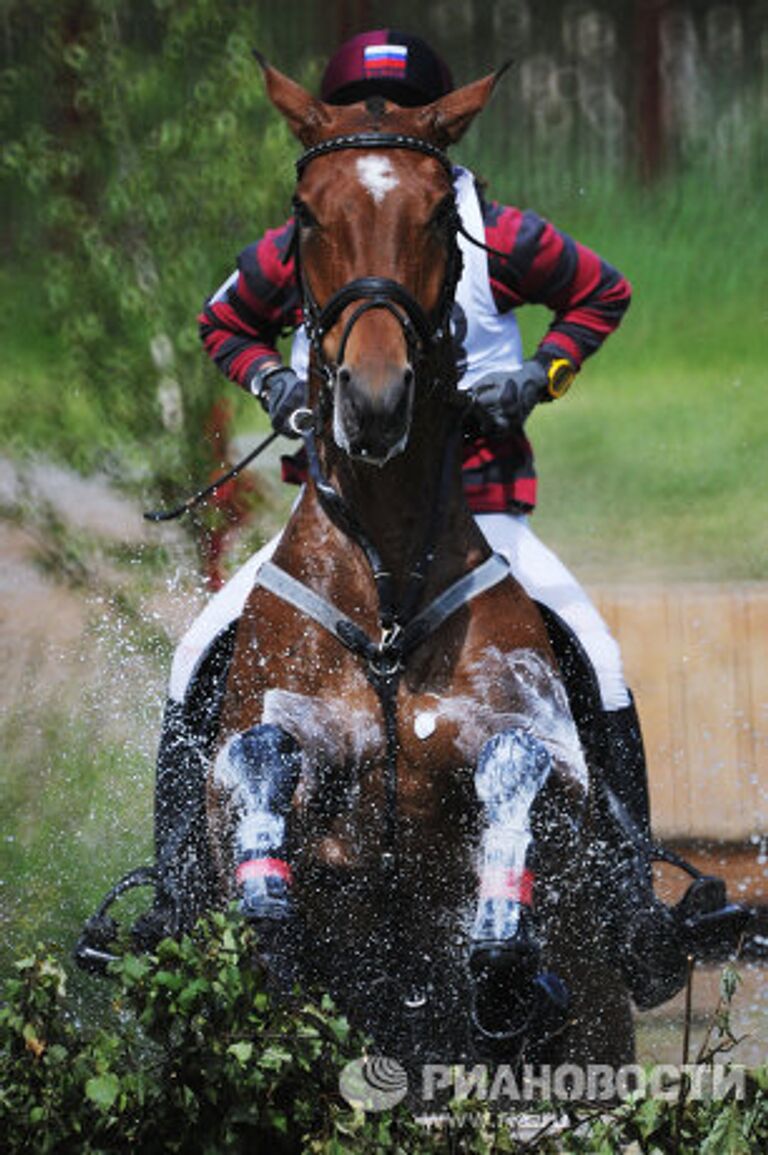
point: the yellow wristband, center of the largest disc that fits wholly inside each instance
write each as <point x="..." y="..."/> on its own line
<point x="560" y="375"/>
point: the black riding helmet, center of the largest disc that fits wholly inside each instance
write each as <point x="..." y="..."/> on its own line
<point x="396" y="65"/>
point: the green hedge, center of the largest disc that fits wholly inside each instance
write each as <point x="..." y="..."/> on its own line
<point x="195" y="1055"/>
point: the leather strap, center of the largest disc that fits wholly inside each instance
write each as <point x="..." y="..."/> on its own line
<point x="388" y="656"/>
<point x="368" y="140"/>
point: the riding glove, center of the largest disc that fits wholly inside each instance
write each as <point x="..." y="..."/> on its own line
<point x="501" y="404"/>
<point x="281" y="393"/>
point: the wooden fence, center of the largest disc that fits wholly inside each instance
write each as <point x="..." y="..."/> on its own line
<point x="696" y="658"/>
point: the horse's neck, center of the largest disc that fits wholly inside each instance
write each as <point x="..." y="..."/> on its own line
<point x="413" y="502"/>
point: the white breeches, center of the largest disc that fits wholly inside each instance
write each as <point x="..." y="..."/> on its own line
<point x="544" y="578"/>
<point x="539" y="571"/>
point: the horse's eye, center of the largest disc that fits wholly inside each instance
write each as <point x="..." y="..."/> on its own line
<point x="305" y="218"/>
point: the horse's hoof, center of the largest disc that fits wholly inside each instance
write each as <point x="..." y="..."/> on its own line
<point x="503" y="976"/>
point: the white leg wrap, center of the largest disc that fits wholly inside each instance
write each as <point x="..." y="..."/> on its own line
<point x="512" y="769"/>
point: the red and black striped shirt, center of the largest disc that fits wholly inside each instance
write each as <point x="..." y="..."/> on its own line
<point x="241" y="324"/>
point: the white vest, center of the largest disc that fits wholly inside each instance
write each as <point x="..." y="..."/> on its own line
<point x="486" y="341"/>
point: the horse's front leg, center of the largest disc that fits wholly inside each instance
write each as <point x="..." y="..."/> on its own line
<point x="254" y="779"/>
<point x="520" y="789"/>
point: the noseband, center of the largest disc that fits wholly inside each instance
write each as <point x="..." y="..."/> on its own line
<point x="422" y="332"/>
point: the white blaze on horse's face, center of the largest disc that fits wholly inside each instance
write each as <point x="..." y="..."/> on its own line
<point x="373" y="403"/>
<point x="376" y="176"/>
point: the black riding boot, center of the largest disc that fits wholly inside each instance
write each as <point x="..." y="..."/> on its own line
<point x="182" y="877"/>
<point x="646" y="933"/>
<point x="654" y="940"/>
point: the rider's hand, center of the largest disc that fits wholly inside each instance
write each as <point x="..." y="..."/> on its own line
<point x="281" y="393"/>
<point x="503" y="402"/>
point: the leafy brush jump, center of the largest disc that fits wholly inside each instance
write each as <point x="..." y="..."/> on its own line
<point x="199" y="1057"/>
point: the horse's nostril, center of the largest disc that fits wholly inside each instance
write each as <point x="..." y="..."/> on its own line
<point x="408" y="377"/>
<point x="344" y="377"/>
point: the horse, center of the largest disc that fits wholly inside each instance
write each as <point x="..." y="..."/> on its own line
<point x="397" y="795"/>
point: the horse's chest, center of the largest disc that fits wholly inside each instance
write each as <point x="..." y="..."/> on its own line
<point x="352" y="731"/>
<point x="496" y="692"/>
<point x="331" y="731"/>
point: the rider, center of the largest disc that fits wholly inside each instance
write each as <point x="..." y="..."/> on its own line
<point x="530" y="261"/>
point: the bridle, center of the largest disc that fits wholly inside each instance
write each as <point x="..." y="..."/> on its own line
<point x="423" y="331"/>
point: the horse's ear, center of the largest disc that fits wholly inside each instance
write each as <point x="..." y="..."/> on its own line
<point x="305" y="114"/>
<point x="446" y="120"/>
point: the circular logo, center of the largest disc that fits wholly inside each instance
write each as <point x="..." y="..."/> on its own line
<point x="374" y="1083"/>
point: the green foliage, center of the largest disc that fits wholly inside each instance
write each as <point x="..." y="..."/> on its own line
<point x="196" y="1055"/>
<point x="197" y="1058"/>
<point x="154" y="158"/>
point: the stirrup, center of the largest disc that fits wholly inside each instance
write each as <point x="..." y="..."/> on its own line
<point x="657" y="939"/>
<point x="702" y="925"/>
<point x="94" y="950"/>
<point x="710" y="925"/>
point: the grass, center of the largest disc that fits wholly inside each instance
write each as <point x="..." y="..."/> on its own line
<point x="656" y="482"/>
<point x="654" y="465"/>
<point x="80" y="810"/>
<point x="76" y="811"/>
<point x="79" y="807"/>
